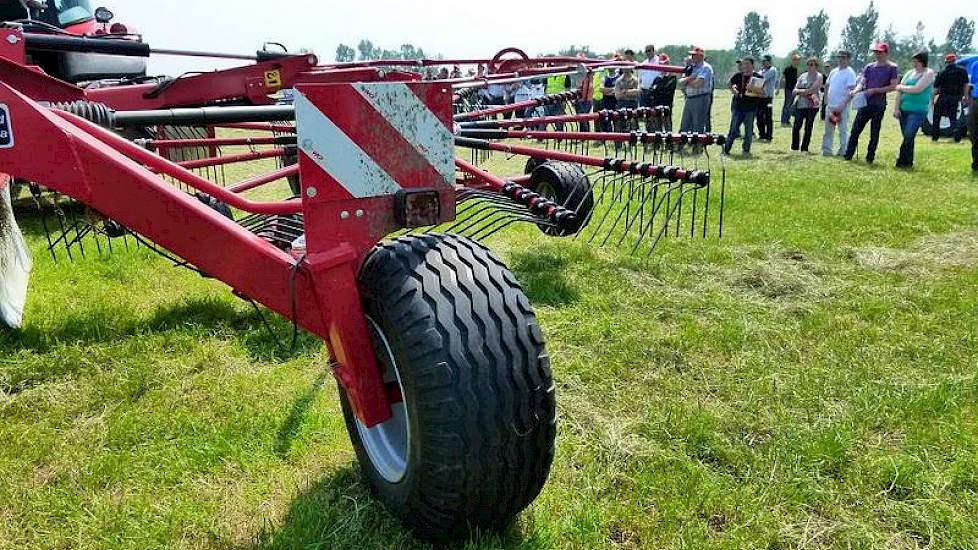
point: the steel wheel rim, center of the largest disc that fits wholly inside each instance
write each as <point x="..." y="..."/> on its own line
<point x="547" y="191"/>
<point x="387" y="444"/>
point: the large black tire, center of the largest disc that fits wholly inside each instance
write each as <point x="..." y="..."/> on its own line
<point x="567" y="185"/>
<point x="478" y="395"/>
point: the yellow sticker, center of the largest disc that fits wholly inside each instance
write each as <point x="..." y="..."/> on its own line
<point x="273" y="79"/>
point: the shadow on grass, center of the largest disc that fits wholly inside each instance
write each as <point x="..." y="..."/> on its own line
<point x="199" y="318"/>
<point x="543" y="275"/>
<point x="290" y="428"/>
<point x="339" y="512"/>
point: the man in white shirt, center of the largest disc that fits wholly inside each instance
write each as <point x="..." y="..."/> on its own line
<point x="646" y="82"/>
<point x="841" y="81"/>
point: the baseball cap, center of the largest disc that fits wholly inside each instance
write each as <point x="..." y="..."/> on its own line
<point x="697" y="51"/>
<point x="767" y="57"/>
<point x="882" y="47"/>
<point x="951" y="57"/>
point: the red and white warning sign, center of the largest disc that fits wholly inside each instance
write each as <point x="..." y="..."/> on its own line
<point x="374" y="139"/>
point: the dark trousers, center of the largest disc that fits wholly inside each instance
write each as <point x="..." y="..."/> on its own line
<point x="631" y="124"/>
<point x="909" y="125"/>
<point x="873" y="115"/>
<point x="806" y="117"/>
<point x="765" y="119"/>
<point x="947" y="107"/>
<point x="709" y="115"/>
<point x="737" y="119"/>
<point x="788" y="109"/>
<point x="973" y="130"/>
<point x="581" y="107"/>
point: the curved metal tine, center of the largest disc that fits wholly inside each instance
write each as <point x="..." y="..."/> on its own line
<point x="643" y="204"/>
<point x="36" y="194"/>
<point x="656" y="206"/>
<point x="723" y="188"/>
<point x="625" y="210"/>
<point x="503" y="223"/>
<point x="679" y="211"/>
<point x="480" y="216"/>
<point x="665" y="226"/>
<point x="605" y="186"/>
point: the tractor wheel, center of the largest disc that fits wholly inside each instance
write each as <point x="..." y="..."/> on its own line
<point x="531" y="164"/>
<point x="471" y="443"/>
<point x="567" y="185"/>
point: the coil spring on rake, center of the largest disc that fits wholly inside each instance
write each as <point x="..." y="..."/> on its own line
<point x="97" y="113"/>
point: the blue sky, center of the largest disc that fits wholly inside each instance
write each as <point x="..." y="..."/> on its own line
<point x="456" y="28"/>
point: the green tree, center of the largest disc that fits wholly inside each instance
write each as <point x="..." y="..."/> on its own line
<point x="813" y="38"/>
<point x="754" y="37"/>
<point x="367" y="50"/>
<point x="859" y="34"/>
<point x="917" y="42"/>
<point x="573" y="50"/>
<point x="408" y="51"/>
<point x="960" y="36"/>
<point x="345" y="54"/>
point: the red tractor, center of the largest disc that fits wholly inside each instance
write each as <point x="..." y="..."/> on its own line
<point x="77" y="18"/>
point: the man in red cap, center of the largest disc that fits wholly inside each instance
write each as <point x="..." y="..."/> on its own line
<point x="948" y="92"/>
<point x="698" y="88"/>
<point x="878" y="79"/>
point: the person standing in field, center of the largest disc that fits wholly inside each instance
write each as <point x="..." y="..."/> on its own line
<point x="664" y="95"/>
<point x="789" y="77"/>
<point x="647" y="79"/>
<point x="878" y="79"/>
<point x="913" y="100"/>
<point x="971" y="100"/>
<point x="765" y="109"/>
<point x="698" y="88"/>
<point x="949" y="88"/>
<point x="746" y="102"/>
<point x="841" y="81"/>
<point x="627" y="94"/>
<point x="807" y="103"/>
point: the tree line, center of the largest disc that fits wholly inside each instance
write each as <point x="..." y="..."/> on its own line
<point x="858" y="35"/>
<point x="367" y="51"/>
<point x="754" y="38"/>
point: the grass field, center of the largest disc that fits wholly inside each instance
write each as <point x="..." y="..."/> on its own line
<point x="808" y="381"/>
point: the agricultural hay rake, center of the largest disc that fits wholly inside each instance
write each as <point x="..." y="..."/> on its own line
<point x="374" y="244"/>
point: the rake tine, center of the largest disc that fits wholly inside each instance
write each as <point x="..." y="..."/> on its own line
<point x="723" y="187"/>
<point x="641" y="210"/>
<point x="64" y="230"/>
<point x="625" y="211"/>
<point x="665" y="226"/>
<point x="679" y="211"/>
<point x="36" y="195"/>
<point x="607" y="212"/>
<point x="657" y="203"/>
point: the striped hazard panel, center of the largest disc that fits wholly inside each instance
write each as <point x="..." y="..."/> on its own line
<point x="373" y="139"/>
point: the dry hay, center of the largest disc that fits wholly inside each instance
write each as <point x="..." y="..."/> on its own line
<point x="930" y="253"/>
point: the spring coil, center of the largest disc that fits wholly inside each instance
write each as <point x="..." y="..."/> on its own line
<point x="98" y="113"/>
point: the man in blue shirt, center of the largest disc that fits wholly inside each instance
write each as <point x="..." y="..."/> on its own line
<point x="971" y="100"/>
<point x="698" y="88"/>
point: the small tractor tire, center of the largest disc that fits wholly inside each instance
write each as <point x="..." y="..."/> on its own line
<point x="567" y="185"/>
<point x="531" y="164"/>
<point x="471" y="443"/>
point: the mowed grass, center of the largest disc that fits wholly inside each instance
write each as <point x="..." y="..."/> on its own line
<point x="808" y="381"/>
